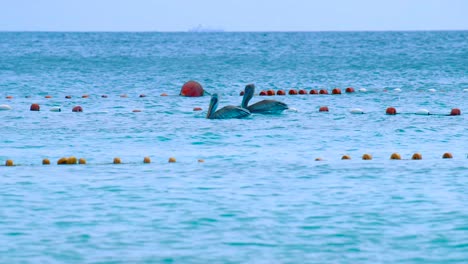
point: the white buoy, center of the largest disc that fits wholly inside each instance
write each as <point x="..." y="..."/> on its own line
<point x="356" y="111"/>
<point x="362" y="90"/>
<point x="397" y="90"/>
<point x="55" y="109"/>
<point x="5" y="107"/>
<point x="422" y="111"/>
<point x="432" y="90"/>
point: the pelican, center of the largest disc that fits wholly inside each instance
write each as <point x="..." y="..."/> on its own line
<point x="262" y="107"/>
<point x="226" y="112"/>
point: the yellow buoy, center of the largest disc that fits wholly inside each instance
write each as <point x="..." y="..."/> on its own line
<point x="147" y="160"/>
<point x="367" y="156"/>
<point x="45" y="162"/>
<point x="318" y="159"/>
<point x="9" y="163"/>
<point x="447" y="155"/>
<point x="416" y="156"/>
<point x="395" y="156"/>
<point x="346" y="157"/>
<point x="172" y="160"/>
<point x="62" y="161"/>
<point x="117" y="160"/>
<point x="82" y="161"/>
<point x="201" y="160"/>
<point x="71" y="160"/>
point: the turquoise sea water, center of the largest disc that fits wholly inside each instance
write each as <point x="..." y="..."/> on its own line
<point x="259" y="197"/>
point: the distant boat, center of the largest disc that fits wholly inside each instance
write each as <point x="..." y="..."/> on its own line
<point x="201" y="28"/>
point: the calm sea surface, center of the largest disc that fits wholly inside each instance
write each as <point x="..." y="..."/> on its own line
<point x="259" y="196"/>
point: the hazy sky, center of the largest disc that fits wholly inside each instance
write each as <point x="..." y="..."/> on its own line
<point x="232" y="15"/>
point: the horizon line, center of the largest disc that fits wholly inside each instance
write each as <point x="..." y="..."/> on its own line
<point x="227" y="31"/>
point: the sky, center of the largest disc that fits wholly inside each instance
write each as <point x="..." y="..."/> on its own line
<point x="232" y="15"/>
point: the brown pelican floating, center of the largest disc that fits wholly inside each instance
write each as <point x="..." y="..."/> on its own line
<point x="226" y="112"/>
<point x="262" y="107"/>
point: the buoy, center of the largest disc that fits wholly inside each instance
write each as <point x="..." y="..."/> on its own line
<point x="85" y="96"/>
<point x="292" y="92"/>
<point x="270" y="92"/>
<point x="45" y="162"/>
<point x="323" y="91"/>
<point x="55" y="109"/>
<point x="117" y="160"/>
<point x="262" y="93"/>
<point x="35" y="107"/>
<point x="432" y="90"/>
<point x="62" y="161"/>
<point x="142" y="95"/>
<point x="356" y="111"/>
<point x="346" y="157"/>
<point x="163" y="94"/>
<point x="147" y="160"/>
<point x="9" y="163"/>
<point x="280" y="92"/>
<point x="71" y="160"/>
<point x="397" y="90"/>
<point x="447" y="155"/>
<point x="68" y="97"/>
<point x="5" y="107"/>
<point x="318" y="159"/>
<point x="416" y="156"/>
<point x="313" y="91"/>
<point x="349" y="90"/>
<point x="191" y="89"/>
<point x="77" y="109"/>
<point x="103" y="96"/>
<point x="362" y="90"/>
<point x="197" y="109"/>
<point x="323" y="109"/>
<point x="201" y="160"/>
<point x="455" y="111"/>
<point x="48" y="96"/>
<point x="82" y="161"/>
<point x="172" y="160"/>
<point x="123" y="96"/>
<point x="422" y="111"/>
<point x="465" y="90"/>
<point x="9" y="97"/>
<point x="302" y="91"/>
<point x="241" y="93"/>
<point x="336" y="91"/>
<point x="391" y="111"/>
<point x="366" y="157"/>
<point x="136" y="110"/>
<point x="395" y="156"/>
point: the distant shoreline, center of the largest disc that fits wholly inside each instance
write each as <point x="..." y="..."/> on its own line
<point x="227" y="31"/>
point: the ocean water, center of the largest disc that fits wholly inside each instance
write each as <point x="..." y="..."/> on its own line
<point x="259" y="196"/>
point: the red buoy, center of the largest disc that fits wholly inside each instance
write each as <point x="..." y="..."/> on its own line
<point x="270" y="92"/>
<point x="241" y="93"/>
<point x="197" y="109"/>
<point x="35" y="107"/>
<point x="77" y="109"/>
<point x="391" y="111"/>
<point x="323" y="91"/>
<point x="350" y="90"/>
<point x="323" y="109"/>
<point x="455" y="111"/>
<point x="313" y="91"/>
<point x="302" y="91"/>
<point x="336" y="91"/>
<point x="85" y="96"/>
<point x="262" y="93"/>
<point x="48" y="96"/>
<point x="68" y="96"/>
<point x="292" y="92"/>
<point x="191" y="89"/>
<point x="280" y="92"/>
<point x="142" y="95"/>
<point x="104" y="96"/>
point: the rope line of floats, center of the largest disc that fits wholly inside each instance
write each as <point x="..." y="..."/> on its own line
<point x="72" y="160"/>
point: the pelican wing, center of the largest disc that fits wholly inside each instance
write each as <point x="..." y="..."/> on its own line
<point x="231" y="111"/>
<point x="268" y="107"/>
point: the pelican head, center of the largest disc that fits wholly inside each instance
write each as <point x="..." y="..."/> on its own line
<point x="248" y="94"/>
<point x="213" y="105"/>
